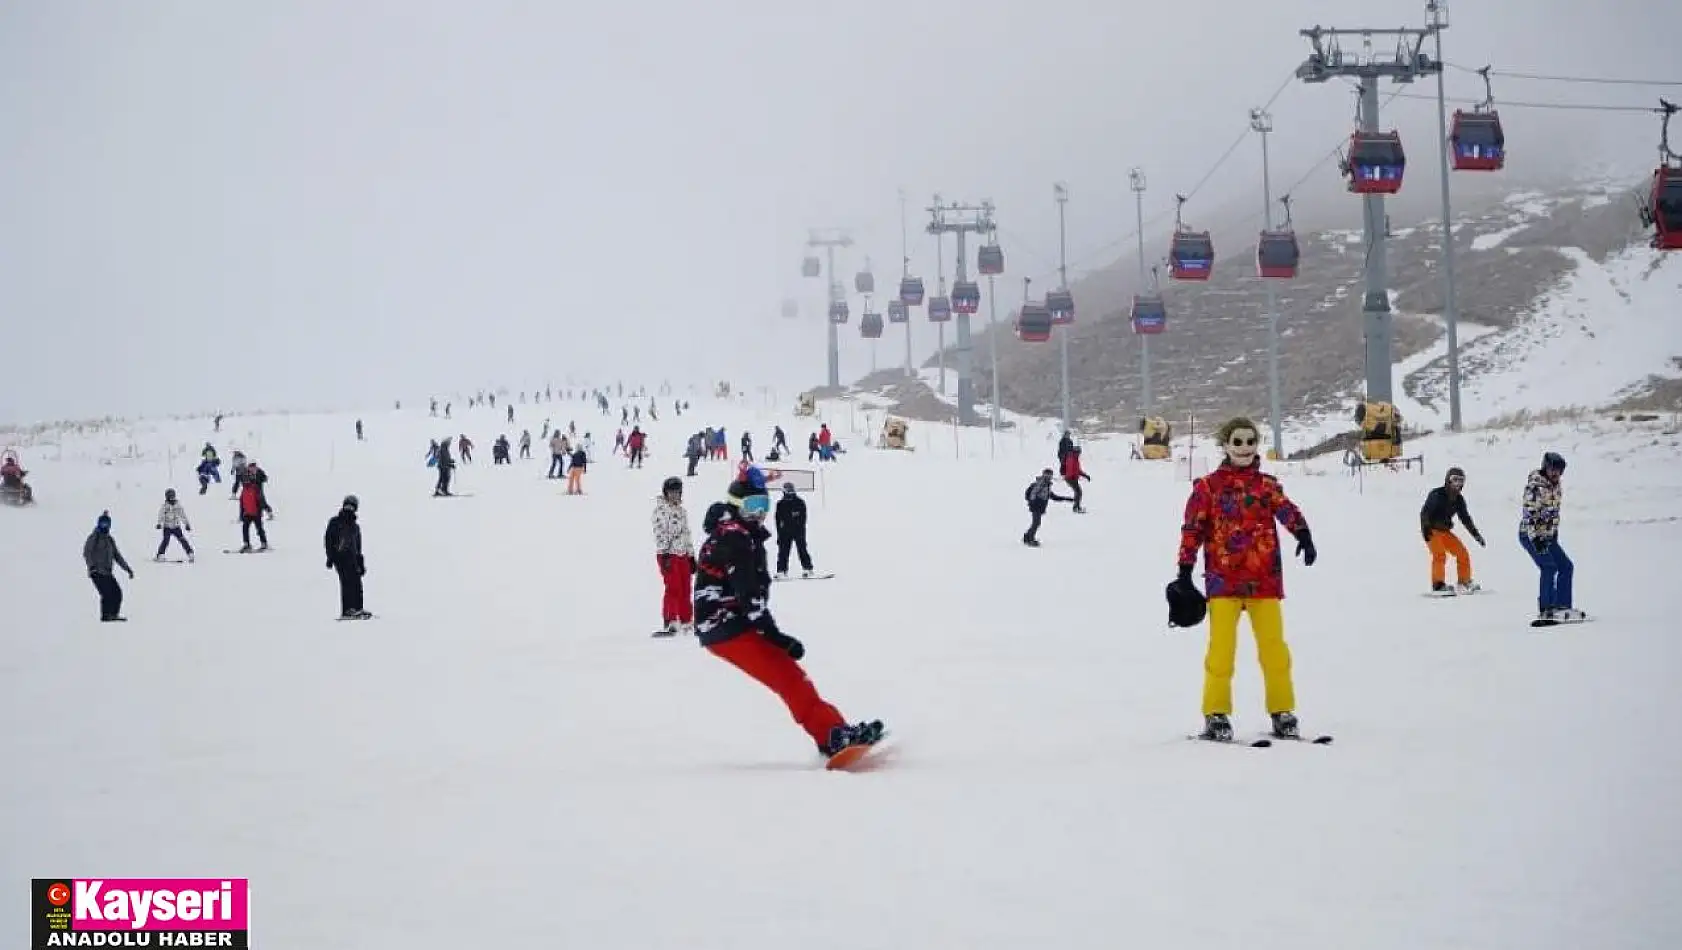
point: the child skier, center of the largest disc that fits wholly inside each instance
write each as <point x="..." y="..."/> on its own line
<point x="1436" y="523"/>
<point x="251" y="510"/>
<point x="791" y="531"/>
<point x="1073" y="473"/>
<point x="1039" y="496"/>
<point x="733" y="618"/>
<point x="1229" y="517"/>
<point x="172" y="521"/>
<point x="100" y="554"/>
<point x="1538" y="534"/>
<point x="674" y="552"/>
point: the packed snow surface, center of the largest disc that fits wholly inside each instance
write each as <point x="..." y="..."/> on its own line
<point x="505" y="757"/>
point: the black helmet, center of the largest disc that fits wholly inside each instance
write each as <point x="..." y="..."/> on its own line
<point x="1186" y="605"/>
<point x="1553" y="462"/>
<point x="351" y="502"/>
<point x="673" y="484"/>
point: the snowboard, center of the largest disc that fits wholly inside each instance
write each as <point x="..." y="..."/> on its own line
<point x="1447" y="594"/>
<point x="797" y="577"/>
<point x="252" y="551"/>
<point x="859" y="758"/>
<point x="1578" y="617"/>
<point x="169" y="560"/>
<point x="364" y="616"/>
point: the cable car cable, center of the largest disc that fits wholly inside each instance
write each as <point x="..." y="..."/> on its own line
<point x="1594" y="80"/>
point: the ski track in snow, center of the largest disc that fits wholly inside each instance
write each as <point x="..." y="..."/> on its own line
<point x="505" y="757"/>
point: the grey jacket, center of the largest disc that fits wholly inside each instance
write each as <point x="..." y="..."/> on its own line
<point x="99" y="552"/>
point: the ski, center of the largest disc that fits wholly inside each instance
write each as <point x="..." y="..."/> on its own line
<point x="1243" y="744"/>
<point x="663" y="633"/>
<point x="813" y="577"/>
<point x="365" y="615"/>
<point x="252" y="551"/>
<point x="1305" y="740"/>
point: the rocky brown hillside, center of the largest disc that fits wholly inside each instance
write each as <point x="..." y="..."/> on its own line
<point x="1213" y="359"/>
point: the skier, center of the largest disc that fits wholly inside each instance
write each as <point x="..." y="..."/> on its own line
<point x="499" y="451"/>
<point x="618" y="441"/>
<point x="236" y="471"/>
<point x="359" y="430"/>
<point x="99" y="553"/>
<point x="1436" y="523"/>
<point x="575" y="471"/>
<point x="343" y="541"/>
<point x="1039" y="496"/>
<point x="525" y="443"/>
<point x="734" y="622"/>
<point x="791" y="531"/>
<point x="1230" y="516"/>
<point x="674" y="552"/>
<point x="172" y="521"/>
<point x="446" y="466"/>
<point x="779" y="440"/>
<point x="1073" y="473"/>
<point x="1538" y="534"/>
<point x="693" y="451"/>
<point x="510" y="413"/>
<point x="747" y="446"/>
<point x="251" y="510"/>
<point x="635" y="444"/>
<point x="824" y="439"/>
<point x="557" y="455"/>
<point x="464" y="446"/>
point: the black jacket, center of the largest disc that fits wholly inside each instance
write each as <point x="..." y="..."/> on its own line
<point x="732" y="581"/>
<point x="343" y="540"/>
<point x="1039" y="494"/>
<point x="1440" y="510"/>
<point x="791" y="516"/>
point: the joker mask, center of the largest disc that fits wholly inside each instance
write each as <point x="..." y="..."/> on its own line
<point x="1241" y="447"/>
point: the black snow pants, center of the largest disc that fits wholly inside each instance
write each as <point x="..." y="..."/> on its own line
<point x="177" y="535"/>
<point x="350" y="586"/>
<point x="110" y="595"/>
<point x="798" y="542"/>
<point x="1074" y="485"/>
<point x="692" y="460"/>
<point x="443" y="482"/>
<point x="245" y="524"/>
<point x="1034" y="526"/>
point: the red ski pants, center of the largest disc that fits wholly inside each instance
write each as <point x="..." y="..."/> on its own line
<point x="675" y="571"/>
<point x="755" y="656"/>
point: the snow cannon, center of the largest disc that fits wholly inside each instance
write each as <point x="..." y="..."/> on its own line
<point x="1381" y="431"/>
<point x="894" y="431"/>
<point x="806" y="405"/>
<point x="1154" y="435"/>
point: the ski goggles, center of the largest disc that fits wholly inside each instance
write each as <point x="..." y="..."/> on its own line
<point x="753" y="506"/>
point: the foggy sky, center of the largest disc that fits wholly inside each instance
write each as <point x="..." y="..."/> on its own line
<point x="224" y="205"/>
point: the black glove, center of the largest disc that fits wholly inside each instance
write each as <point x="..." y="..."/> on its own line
<point x="361" y="570"/>
<point x="1305" y="547"/>
<point x="1479" y="539"/>
<point x="1542" y="545"/>
<point x="782" y="641"/>
<point x="130" y="571"/>
<point x="329" y="564"/>
<point x="1185" y="574"/>
<point x="1426" y="534"/>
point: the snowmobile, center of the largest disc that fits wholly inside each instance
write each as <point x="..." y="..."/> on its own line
<point x="14" y="490"/>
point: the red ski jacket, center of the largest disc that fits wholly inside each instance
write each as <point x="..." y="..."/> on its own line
<point x="1231" y="515"/>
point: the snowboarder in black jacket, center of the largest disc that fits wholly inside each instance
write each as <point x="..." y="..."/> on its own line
<point x="1436" y="525"/>
<point x="733" y="619"/>
<point x="1038" y="496"/>
<point x="791" y="531"/>
<point x="343" y="541"/>
<point x="100" y="555"/>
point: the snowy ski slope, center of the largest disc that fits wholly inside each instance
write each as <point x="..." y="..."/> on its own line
<point x="506" y="758"/>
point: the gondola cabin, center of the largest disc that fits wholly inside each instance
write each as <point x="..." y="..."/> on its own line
<point x="1148" y="314"/>
<point x="810" y="267"/>
<point x="1061" y="303"/>
<point x="966" y="296"/>
<point x="1376" y="163"/>
<point x="898" y="312"/>
<point x="1277" y="254"/>
<point x="1476" y="142"/>
<point x="870" y="326"/>
<point x="1664" y="208"/>
<point x="940" y="309"/>
<point x="1033" y="323"/>
<point x="911" y="291"/>
<point x="990" y="260"/>
<point x="864" y="282"/>
<point x="838" y="312"/>
<point x="1191" y="256"/>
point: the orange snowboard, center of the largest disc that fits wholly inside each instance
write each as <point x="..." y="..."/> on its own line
<point x="852" y="758"/>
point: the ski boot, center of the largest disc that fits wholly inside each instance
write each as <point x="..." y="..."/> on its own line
<point x="1441" y="588"/>
<point x="782" y="575"/>
<point x="1217" y="727"/>
<point x="1470" y="587"/>
<point x="1285" y="726"/>
<point x="1031" y="542"/>
<point x="842" y="736"/>
<point x="669" y="630"/>
<point x="806" y="575"/>
<point x="245" y="549"/>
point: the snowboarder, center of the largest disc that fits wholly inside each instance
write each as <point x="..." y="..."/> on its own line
<point x="791" y="531"/>
<point x="499" y="451"/>
<point x="343" y="541"/>
<point x="733" y="619"/>
<point x="747" y="446"/>
<point x="558" y="452"/>
<point x="1229" y="517"/>
<point x="1538" y="534"/>
<point x="236" y="472"/>
<point x="1039" y="496"/>
<point x="575" y="471"/>
<point x="674" y="552"/>
<point x="779" y="440"/>
<point x="464" y="447"/>
<point x="251" y="510"/>
<point x="100" y="554"/>
<point x="1073" y="473"/>
<point x="525" y="443"/>
<point x="172" y="521"/>
<point x="694" y="450"/>
<point x="635" y="445"/>
<point x="1436" y="523"/>
<point x="359" y="430"/>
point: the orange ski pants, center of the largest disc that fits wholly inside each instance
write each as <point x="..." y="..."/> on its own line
<point x="1445" y="544"/>
<point x="575" y="481"/>
<point x="755" y="656"/>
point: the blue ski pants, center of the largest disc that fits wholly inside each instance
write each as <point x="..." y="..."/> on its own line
<point x="1554" y="589"/>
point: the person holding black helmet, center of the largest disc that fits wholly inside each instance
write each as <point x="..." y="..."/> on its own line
<point x="343" y="541"/>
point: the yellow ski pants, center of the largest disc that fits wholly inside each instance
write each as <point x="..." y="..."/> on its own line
<point x="1269" y="629"/>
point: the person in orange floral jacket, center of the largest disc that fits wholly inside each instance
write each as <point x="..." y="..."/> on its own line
<point x="1230" y="516"/>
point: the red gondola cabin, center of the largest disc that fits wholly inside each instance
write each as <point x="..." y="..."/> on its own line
<point x="1277" y="254"/>
<point x="911" y="291"/>
<point x="1476" y="142"/>
<point x="1061" y="303"/>
<point x="966" y="296"/>
<point x="940" y="309"/>
<point x="1191" y="256"/>
<point x="1376" y="163"/>
<point x="1033" y="323"/>
<point x="870" y="325"/>
<point x="1664" y="208"/>
<point x="1149" y="314"/>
